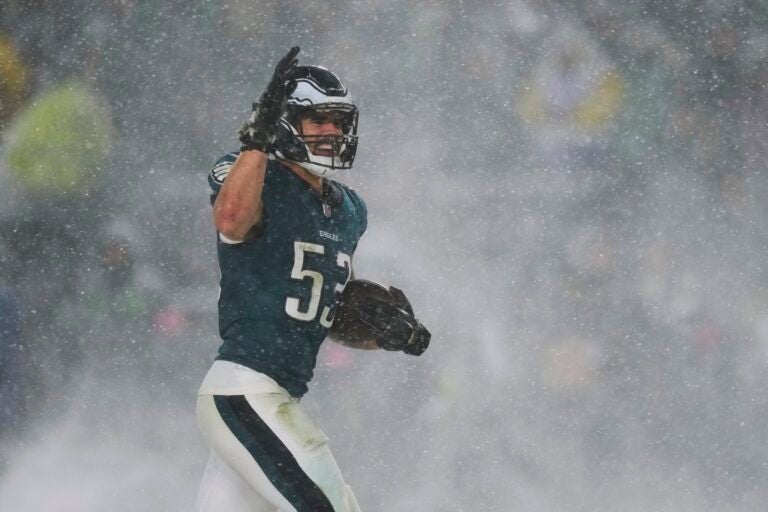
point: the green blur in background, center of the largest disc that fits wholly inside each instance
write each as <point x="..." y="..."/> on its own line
<point x="59" y="144"/>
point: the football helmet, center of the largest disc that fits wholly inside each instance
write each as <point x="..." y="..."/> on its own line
<point x="315" y="89"/>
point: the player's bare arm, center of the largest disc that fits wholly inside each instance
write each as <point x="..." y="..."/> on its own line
<point x="238" y="206"/>
<point x="369" y="344"/>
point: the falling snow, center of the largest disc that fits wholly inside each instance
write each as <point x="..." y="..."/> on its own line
<point x="571" y="192"/>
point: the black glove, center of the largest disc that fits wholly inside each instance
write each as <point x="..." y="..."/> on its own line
<point x="260" y="129"/>
<point x="394" y="325"/>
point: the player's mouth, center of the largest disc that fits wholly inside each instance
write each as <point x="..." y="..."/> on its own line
<point x="324" y="148"/>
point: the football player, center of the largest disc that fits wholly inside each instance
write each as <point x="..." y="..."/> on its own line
<point x="286" y="236"/>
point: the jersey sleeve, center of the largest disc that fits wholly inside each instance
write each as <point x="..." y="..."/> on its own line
<point x="362" y="210"/>
<point x="219" y="173"/>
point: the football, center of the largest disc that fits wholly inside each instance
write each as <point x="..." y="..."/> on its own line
<point x="347" y="325"/>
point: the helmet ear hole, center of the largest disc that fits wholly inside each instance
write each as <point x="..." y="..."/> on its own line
<point x="295" y="146"/>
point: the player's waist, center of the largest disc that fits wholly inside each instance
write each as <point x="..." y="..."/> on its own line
<point x="250" y="327"/>
<point x="292" y="373"/>
<point x="231" y="378"/>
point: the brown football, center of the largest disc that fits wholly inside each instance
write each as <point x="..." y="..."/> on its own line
<point x="347" y="326"/>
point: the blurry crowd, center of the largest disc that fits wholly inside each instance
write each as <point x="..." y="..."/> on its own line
<point x="601" y="167"/>
<point x="93" y="271"/>
<point x="640" y="216"/>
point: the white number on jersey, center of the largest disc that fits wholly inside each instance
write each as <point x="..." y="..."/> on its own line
<point x="300" y="273"/>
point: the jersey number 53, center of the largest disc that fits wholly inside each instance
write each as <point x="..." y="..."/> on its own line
<point x="300" y="273"/>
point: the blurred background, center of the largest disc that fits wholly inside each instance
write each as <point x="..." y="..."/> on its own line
<point x="571" y="192"/>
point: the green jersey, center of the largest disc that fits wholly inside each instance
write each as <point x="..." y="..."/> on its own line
<point x="279" y="288"/>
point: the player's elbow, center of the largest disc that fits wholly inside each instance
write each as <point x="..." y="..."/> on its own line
<point x="233" y="223"/>
<point x="232" y="230"/>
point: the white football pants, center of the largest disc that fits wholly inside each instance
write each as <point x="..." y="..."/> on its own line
<point x="267" y="455"/>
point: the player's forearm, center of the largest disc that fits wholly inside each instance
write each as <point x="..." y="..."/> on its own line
<point x="360" y="345"/>
<point x="238" y="205"/>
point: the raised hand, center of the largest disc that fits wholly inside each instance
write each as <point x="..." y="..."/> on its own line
<point x="259" y="131"/>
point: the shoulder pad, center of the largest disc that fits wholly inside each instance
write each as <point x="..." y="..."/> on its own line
<point x="220" y="170"/>
<point x="358" y="204"/>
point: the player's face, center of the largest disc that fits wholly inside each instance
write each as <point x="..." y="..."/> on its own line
<point x="319" y="124"/>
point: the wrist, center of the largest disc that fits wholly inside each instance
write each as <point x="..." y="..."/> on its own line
<point x="259" y="148"/>
<point x="252" y="158"/>
<point x="258" y="139"/>
<point x="257" y="134"/>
